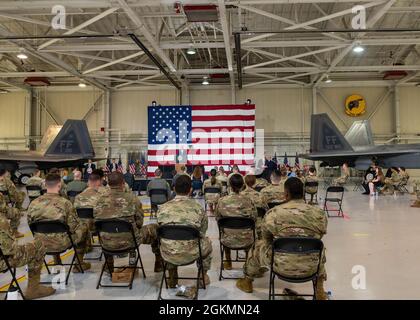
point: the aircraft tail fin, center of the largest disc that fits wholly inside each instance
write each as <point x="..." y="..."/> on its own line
<point x="360" y="134"/>
<point x="325" y="137"/>
<point x="72" y="140"/>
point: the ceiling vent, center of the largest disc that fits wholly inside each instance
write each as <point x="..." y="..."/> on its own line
<point x="201" y="13"/>
<point x="37" y="81"/>
<point x="394" y="75"/>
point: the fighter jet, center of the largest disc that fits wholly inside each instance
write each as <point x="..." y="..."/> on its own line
<point x="357" y="147"/>
<point x="65" y="146"/>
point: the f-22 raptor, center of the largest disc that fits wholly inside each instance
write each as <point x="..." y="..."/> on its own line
<point x="357" y="147"/>
<point x="62" y="146"/>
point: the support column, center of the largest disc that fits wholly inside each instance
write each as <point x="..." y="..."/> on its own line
<point x="314" y="100"/>
<point x="107" y="121"/>
<point x="185" y="94"/>
<point x="397" y="111"/>
<point x="28" y="117"/>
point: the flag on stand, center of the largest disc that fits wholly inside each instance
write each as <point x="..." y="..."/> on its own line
<point x="201" y="135"/>
<point x="132" y="167"/>
<point x="107" y="165"/>
<point x="274" y="159"/>
<point x="297" y="164"/>
<point x="285" y="161"/>
<point x="119" y="165"/>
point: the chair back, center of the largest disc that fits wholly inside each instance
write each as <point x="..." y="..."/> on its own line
<point x="212" y="190"/>
<point x="72" y="193"/>
<point x="261" y="212"/>
<point x="178" y="232"/>
<point x="85" y="213"/>
<point x="113" y="226"/>
<point x="271" y="205"/>
<point x="158" y="196"/>
<point x="311" y="184"/>
<point x="259" y="188"/>
<point x="48" y="227"/>
<point x="339" y="190"/>
<point x="236" y="223"/>
<point x="34" y="188"/>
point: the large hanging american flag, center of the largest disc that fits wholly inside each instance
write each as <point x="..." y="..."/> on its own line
<point x="201" y="135"/>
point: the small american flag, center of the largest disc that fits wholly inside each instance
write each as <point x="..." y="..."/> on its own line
<point x="120" y="166"/>
<point x="132" y="168"/>
<point x="201" y="135"/>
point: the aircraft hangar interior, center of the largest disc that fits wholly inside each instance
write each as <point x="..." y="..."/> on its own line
<point x="262" y="149"/>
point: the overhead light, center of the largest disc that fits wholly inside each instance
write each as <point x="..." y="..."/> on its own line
<point x="21" y="55"/>
<point x="191" y="51"/>
<point x="205" y="81"/>
<point x="2" y="91"/>
<point x="358" y="49"/>
<point x="328" y="80"/>
<point x="82" y="85"/>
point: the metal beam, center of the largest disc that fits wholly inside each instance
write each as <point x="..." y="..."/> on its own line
<point x="226" y="34"/>
<point x="238" y="59"/>
<point x="105" y="65"/>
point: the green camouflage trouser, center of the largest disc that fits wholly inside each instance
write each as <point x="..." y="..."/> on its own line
<point x="290" y="265"/>
<point x="13" y="215"/>
<point x="31" y="254"/>
<point x="148" y="235"/>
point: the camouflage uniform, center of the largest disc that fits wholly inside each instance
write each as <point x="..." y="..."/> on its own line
<point x="343" y="179"/>
<point x="31" y="254"/>
<point x="12" y="214"/>
<point x="185" y="211"/>
<point x="416" y="191"/>
<point x="63" y="189"/>
<point x="76" y="185"/>
<point x="388" y="187"/>
<point x="35" y="181"/>
<point x="14" y="196"/>
<point x="211" y="198"/>
<point x="273" y="193"/>
<point x="87" y="199"/>
<point x="118" y="204"/>
<point x="292" y="219"/>
<point x="261" y="183"/>
<point x="106" y="189"/>
<point x="311" y="190"/>
<point x="229" y="189"/>
<point x="236" y="205"/>
<point x="53" y="207"/>
<point x="259" y="201"/>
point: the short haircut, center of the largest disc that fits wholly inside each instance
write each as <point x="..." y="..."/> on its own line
<point x="2" y="170"/>
<point x="312" y="170"/>
<point x="158" y="172"/>
<point x="183" y="185"/>
<point x="98" y="172"/>
<point x="54" y="170"/>
<point x="95" y="177"/>
<point x="250" y="180"/>
<point x="276" y="175"/>
<point x="183" y="168"/>
<point x="236" y="182"/>
<point x="52" y="179"/>
<point x="115" y="179"/>
<point x="213" y="172"/>
<point x="294" y="186"/>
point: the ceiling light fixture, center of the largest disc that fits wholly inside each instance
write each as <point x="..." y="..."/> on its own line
<point x="358" y="49"/>
<point x="21" y="55"/>
<point x="82" y="85"/>
<point x="328" y="80"/>
<point x="191" y="51"/>
<point x="205" y="81"/>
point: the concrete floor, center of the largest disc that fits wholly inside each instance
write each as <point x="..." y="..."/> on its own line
<point x="379" y="234"/>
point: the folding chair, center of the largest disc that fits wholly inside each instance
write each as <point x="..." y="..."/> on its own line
<point x="259" y="188"/>
<point x="72" y="195"/>
<point x="116" y="226"/>
<point x="295" y="246"/>
<point x="311" y="184"/>
<point x="157" y="197"/>
<point x="261" y="212"/>
<point x="12" y="271"/>
<point x="210" y="190"/>
<point x="271" y="205"/>
<point x="338" y="191"/>
<point x="182" y="233"/>
<point x="53" y="227"/>
<point x="87" y="214"/>
<point x="224" y="187"/>
<point x="237" y="223"/>
<point x="402" y="186"/>
<point x="34" y="189"/>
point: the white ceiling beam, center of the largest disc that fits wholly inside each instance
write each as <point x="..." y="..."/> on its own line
<point x="226" y="34"/>
<point x="279" y="79"/>
<point x="143" y="30"/>
<point x="275" y="55"/>
<point x="111" y="63"/>
<point x="80" y="27"/>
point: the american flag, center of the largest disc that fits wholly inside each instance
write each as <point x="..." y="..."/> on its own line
<point x="201" y="135"/>
<point x="120" y="166"/>
<point x="132" y="168"/>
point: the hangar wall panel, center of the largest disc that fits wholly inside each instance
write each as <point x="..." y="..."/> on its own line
<point x="410" y="110"/>
<point x="12" y="111"/>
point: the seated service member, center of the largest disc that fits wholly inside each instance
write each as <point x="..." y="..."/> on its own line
<point x="182" y="210"/>
<point x="77" y="184"/>
<point x="159" y="183"/>
<point x="235" y="204"/>
<point x="275" y="191"/>
<point x="37" y="181"/>
<point x="294" y="218"/>
<point x="391" y="181"/>
<point x="118" y="204"/>
<point x="311" y="177"/>
<point x="212" y="198"/>
<point x="6" y="184"/>
<point x="31" y="254"/>
<point x="52" y="207"/>
<point x="345" y="174"/>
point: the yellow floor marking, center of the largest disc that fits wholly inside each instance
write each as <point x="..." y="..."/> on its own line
<point x="361" y="235"/>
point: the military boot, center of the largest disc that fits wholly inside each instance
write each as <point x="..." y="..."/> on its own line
<point x="158" y="263"/>
<point x="173" y="278"/>
<point x="245" y="284"/>
<point x="109" y="264"/>
<point x="34" y="289"/>
<point x="85" y="265"/>
<point x="320" y="293"/>
<point x="227" y="265"/>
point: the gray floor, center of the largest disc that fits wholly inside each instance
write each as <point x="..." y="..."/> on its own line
<point x="380" y="234"/>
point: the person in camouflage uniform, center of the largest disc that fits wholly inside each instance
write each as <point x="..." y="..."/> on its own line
<point x="390" y="182"/>
<point x="311" y="177"/>
<point x="235" y="170"/>
<point x="275" y="191"/>
<point x="416" y="191"/>
<point x="236" y="204"/>
<point x="12" y="214"/>
<point x="117" y="204"/>
<point x="14" y="195"/>
<point x="182" y="210"/>
<point x="345" y="175"/>
<point x="294" y="218"/>
<point x="52" y="207"/>
<point x="63" y="188"/>
<point x="212" y="198"/>
<point x="31" y="254"/>
<point x="35" y="181"/>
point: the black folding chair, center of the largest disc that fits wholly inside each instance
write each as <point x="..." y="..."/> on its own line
<point x="337" y="197"/>
<point x="311" y="184"/>
<point x="261" y="212"/>
<point x="295" y="246"/>
<point x="54" y="227"/>
<point x="116" y="226"/>
<point x="214" y="190"/>
<point x="224" y="187"/>
<point x="237" y="223"/>
<point x="87" y="214"/>
<point x="72" y="194"/>
<point x="14" y="281"/>
<point x="181" y="233"/>
<point x="37" y="189"/>
<point x="271" y="205"/>
<point x="155" y="200"/>
<point x="402" y="186"/>
<point x="259" y="188"/>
